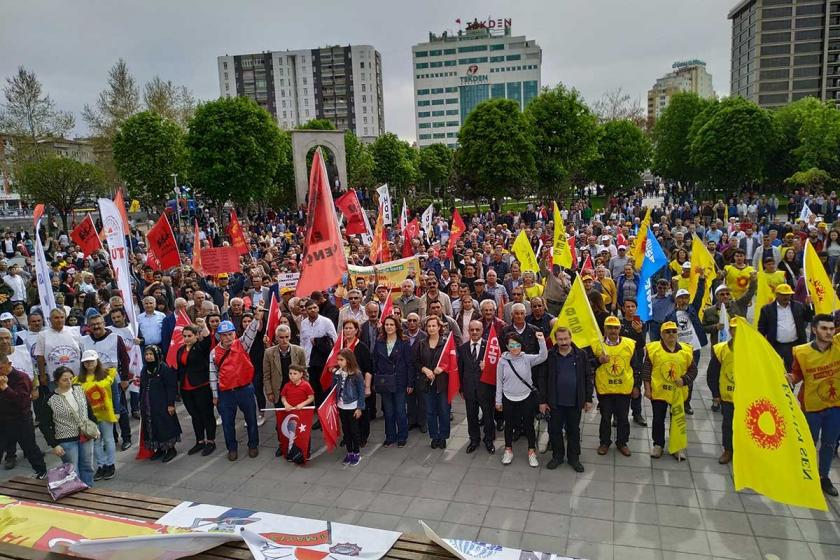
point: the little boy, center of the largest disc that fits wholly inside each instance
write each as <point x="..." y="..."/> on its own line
<point x="295" y="394"/>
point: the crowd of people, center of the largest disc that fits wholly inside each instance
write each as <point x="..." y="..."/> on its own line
<point x="89" y="376"/>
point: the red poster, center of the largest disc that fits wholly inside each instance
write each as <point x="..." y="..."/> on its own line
<point x="294" y="428"/>
<point x="86" y="236"/>
<point x="217" y="260"/>
<point x="163" y="249"/>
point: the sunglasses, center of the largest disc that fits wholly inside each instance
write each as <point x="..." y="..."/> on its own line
<point x="514" y="345"/>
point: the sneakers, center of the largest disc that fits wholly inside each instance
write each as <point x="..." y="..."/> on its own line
<point x="656" y="452"/>
<point x="99" y="474"/>
<point x="828" y="487"/>
<point x="169" y="455"/>
<point x="196" y="448"/>
<point x="110" y="471"/>
<point x="354" y="459"/>
<point x="125" y="445"/>
<point x="347" y="458"/>
<point x="725" y="457"/>
<point x="640" y="420"/>
<point x="40" y="475"/>
<point x="260" y="420"/>
<point x="679" y="456"/>
<point x="554" y="463"/>
<point x="507" y="458"/>
<point x="716" y="407"/>
<point x="532" y="459"/>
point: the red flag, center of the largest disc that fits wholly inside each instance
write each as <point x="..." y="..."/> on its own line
<point x="332" y="361"/>
<point x="386" y="251"/>
<point x="86" y="237"/>
<point x="273" y="319"/>
<point x="411" y="231"/>
<point x="323" y="262"/>
<point x="38" y="212"/>
<point x="181" y="321"/>
<point x="163" y="250"/>
<point x="455" y="233"/>
<point x="573" y="250"/>
<point x="491" y="357"/>
<point x="620" y="239"/>
<point x="237" y="237"/>
<point x="143" y="452"/>
<point x="587" y="264"/>
<point x="448" y="362"/>
<point x="196" y="257"/>
<point x="348" y="204"/>
<point x="294" y="428"/>
<point x="388" y="307"/>
<point x="328" y="415"/>
<point x="500" y="308"/>
<point x="119" y="202"/>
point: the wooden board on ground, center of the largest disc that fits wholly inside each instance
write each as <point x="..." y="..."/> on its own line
<point x="410" y="546"/>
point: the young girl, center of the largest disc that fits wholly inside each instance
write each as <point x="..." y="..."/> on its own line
<point x="295" y="394"/>
<point x="97" y="382"/>
<point x="350" y="395"/>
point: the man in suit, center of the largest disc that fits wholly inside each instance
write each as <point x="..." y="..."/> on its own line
<point x="276" y="362"/>
<point x="783" y="323"/>
<point x="476" y="394"/>
<point x="415" y="402"/>
<point x="749" y="242"/>
<point x="370" y="328"/>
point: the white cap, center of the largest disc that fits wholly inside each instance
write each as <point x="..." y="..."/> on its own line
<point x="721" y="287"/>
<point x="622" y="247"/>
<point x="7" y="316"/>
<point x="605" y="238"/>
<point x="682" y="292"/>
<point x="686" y="265"/>
<point x="90" y="356"/>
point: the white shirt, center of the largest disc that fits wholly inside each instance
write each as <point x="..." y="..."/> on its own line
<point x="310" y="330"/>
<point x="59" y="349"/>
<point x="785" y="327"/>
<point x="686" y="332"/>
<point x="17" y="285"/>
<point x="22" y="361"/>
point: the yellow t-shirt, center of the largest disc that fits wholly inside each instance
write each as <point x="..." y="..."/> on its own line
<point x="737" y="280"/>
<point x="100" y="395"/>
<point x="683" y="282"/>
<point x="676" y="267"/>
<point x="774" y="279"/>
<point x="534" y="291"/>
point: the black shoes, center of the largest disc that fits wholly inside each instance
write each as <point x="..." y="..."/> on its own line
<point x="438" y="444"/>
<point x="576" y="465"/>
<point x="279" y="452"/>
<point x="491" y="449"/>
<point x="125" y="445"/>
<point x="10" y="463"/>
<point x="554" y="463"/>
<point x="169" y="455"/>
<point x="157" y="455"/>
<point x="472" y="447"/>
<point x="196" y="448"/>
<point x="99" y="474"/>
<point x="500" y="425"/>
<point x="689" y="410"/>
<point x="640" y="420"/>
<point x="109" y="472"/>
<point x="209" y="447"/>
<point x="401" y="444"/>
<point x="828" y="487"/>
<point x="423" y="429"/>
<point x="715" y="407"/>
<point x="434" y="444"/>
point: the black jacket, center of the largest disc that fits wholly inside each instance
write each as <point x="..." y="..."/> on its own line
<point x="197" y="368"/>
<point x="546" y="380"/>
<point x="469" y="369"/>
<point x="769" y="317"/>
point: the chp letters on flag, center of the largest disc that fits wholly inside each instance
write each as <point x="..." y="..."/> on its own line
<point x="776" y="455"/>
<point x="492" y="355"/>
<point x="162" y="245"/>
<point x="328" y="415"/>
<point x="448" y="362"/>
<point x="456" y="231"/>
<point x="654" y="259"/>
<point x="819" y="285"/>
<point x="295" y="428"/>
<point x="385" y="203"/>
<point x="323" y="262"/>
<point x="86" y="236"/>
<point x="112" y="223"/>
<point x="354" y="218"/>
<point x="561" y="253"/>
<point x="577" y="316"/>
<point x="525" y="253"/>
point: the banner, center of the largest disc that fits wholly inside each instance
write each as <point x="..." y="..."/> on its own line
<point x="455" y="233"/>
<point x="653" y="259"/>
<point x="119" y="202"/>
<point x="112" y="224"/>
<point x="216" y="260"/>
<point x="86" y="237"/>
<point x="492" y="355"/>
<point x="162" y="245"/>
<point x="775" y="451"/>
<point x="45" y="293"/>
<point x="348" y="205"/>
<point x="285" y="536"/>
<point x="678" y="436"/>
<point x="525" y="253"/>
<point x="819" y="285"/>
<point x="478" y="550"/>
<point x="385" y="203"/>
<point x="197" y="265"/>
<point x="389" y="274"/>
<point x="151" y="547"/>
<point x="403" y="216"/>
<point x="724" y="334"/>
<point x="287" y="279"/>
<point x="330" y="424"/>
<point x="237" y="236"/>
<point x="37" y="213"/>
<point x="448" y="362"/>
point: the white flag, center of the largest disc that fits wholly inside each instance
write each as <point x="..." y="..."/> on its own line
<point x="367" y="238"/>
<point x="113" y="225"/>
<point x="426" y="220"/>
<point x="385" y="203"/>
<point x="403" y="216"/>
<point x="724" y="334"/>
<point x="42" y="272"/>
<point x="806" y="213"/>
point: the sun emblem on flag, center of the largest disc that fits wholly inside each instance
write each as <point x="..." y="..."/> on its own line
<point x="765" y="424"/>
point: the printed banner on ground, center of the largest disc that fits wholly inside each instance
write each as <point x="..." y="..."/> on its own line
<point x="477" y="550"/>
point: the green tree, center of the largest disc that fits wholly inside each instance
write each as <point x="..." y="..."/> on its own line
<point x="810" y="179"/>
<point x="394" y="162"/>
<point x="172" y="102"/>
<point x="731" y="148"/>
<point x="317" y="124"/>
<point x="234" y="149"/>
<point x="624" y="152"/>
<point x="496" y="154"/>
<point x="281" y="193"/>
<point x="564" y="134"/>
<point x="147" y="150"/>
<point x="819" y="140"/>
<point x="62" y="183"/>
<point x="435" y="168"/>
<point x="788" y="122"/>
<point x="360" y="163"/>
<point x="30" y="112"/>
<point x="671" y="137"/>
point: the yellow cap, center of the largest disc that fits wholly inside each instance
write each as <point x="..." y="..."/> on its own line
<point x="733" y="322"/>
<point x="612" y="321"/>
<point x="784" y="289"/>
<point x="668" y="325"/>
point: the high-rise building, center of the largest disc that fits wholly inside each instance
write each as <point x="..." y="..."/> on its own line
<point x="784" y="50"/>
<point x="454" y="72"/>
<point x="340" y="84"/>
<point x="689" y="75"/>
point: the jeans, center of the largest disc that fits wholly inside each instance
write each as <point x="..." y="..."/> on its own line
<point x="396" y="420"/>
<point x="81" y="455"/>
<point x="105" y="448"/>
<point x="135" y="401"/>
<point x="564" y="418"/>
<point x="825" y="427"/>
<point x="437" y="414"/>
<point x="728" y="411"/>
<point x="614" y="406"/>
<point x="124" y="419"/>
<point x="242" y="398"/>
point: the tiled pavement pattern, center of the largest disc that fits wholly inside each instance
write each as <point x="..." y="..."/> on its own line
<point x="625" y="508"/>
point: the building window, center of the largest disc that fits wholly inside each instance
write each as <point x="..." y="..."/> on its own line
<point x="449" y="63"/>
<point x="226" y="75"/>
<point x="452" y="123"/>
<point x="421" y="65"/>
<point x="470" y="97"/>
<point x="421" y="54"/>
<point x="497" y="59"/>
<point x="425" y="125"/>
<point x="425" y="136"/>
<point x="513" y="57"/>
<point x="305" y="102"/>
<point x="448" y="51"/>
<point x="439" y="135"/>
<point x="366" y="131"/>
<point x="305" y="81"/>
<point x="514" y="91"/>
<point x="530" y="90"/>
<point x="474" y="48"/>
<point x="422" y="114"/>
<point x="364" y="120"/>
<point x="437" y="113"/>
<point x="475" y="60"/>
<point x="305" y="91"/>
<point x="435" y="53"/>
<point x="497" y="91"/>
<point x="450" y="112"/>
<point x="497" y="47"/>
<point x="284" y="104"/>
<point x="363" y="87"/>
<point x="307" y="112"/>
<point x="436" y="91"/>
<point x="452" y="101"/>
<point x="364" y="108"/>
<point x="424" y="103"/>
<point x="284" y="114"/>
<point x="224" y="65"/>
<point x="364" y="99"/>
<point x="227" y="87"/>
<point x="422" y="92"/>
<point x="437" y="64"/>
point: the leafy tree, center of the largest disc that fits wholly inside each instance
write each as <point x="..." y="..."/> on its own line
<point x="118" y="101"/>
<point x="731" y="148"/>
<point x="63" y="183"/>
<point x="623" y="154"/>
<point x="317" y="124"/>
<point x="671" y="137"/>
<point x="147" y="150"/>
<point x="234" y="149"/>
<point x="819" y="140"/>
<point x="811" y="179"/>
<point x="564" y="133"/>
<point x="394" y="162"/>
<point x="496" y="154"/>
<point x="172" y="102"/>
<point x="360" y="163"/>
<point x="435" y="168"/>
<point x="281" y="193"/>
<point x="30" y="112"/>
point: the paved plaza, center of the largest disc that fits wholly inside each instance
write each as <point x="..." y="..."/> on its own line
<point x="625" y="508"/>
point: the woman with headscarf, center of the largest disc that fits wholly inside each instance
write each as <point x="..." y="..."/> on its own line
<point x="158" y="388"/>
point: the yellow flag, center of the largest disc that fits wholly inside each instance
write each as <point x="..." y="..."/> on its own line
<point x="763" y="294"/>
<point x="525" y="254"/>
<point x="562" y="254"/>
<point x="701" y="260"/>
<point x="774" y="450"/>
<point x="819" y="286"/>
<point x="637" y="249"/>
<point x="678" y="436"/>
<point x="577" y="316"/>
<point x="135" y="206"/>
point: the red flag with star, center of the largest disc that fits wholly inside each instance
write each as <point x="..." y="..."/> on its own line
<point x="328" y="415"/>
<point x="455" y="233"/>
<point x="294" y="427"/>
<point x="448" y="362"/>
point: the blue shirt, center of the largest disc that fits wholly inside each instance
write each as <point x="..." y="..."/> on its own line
<point x="151" y="326"/>
<point x="661" y="308"/>
<point x="565" y="388"/>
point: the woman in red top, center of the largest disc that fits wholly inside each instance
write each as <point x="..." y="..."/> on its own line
<point x="194" y="380"/>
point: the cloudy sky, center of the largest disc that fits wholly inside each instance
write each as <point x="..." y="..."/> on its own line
<point x="592" y="45"/>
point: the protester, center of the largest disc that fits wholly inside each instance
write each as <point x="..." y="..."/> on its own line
<point x="394" y="376"/>
<point x="193" y="371"/>
<point x="350" y="396"/>
<point x="721" y="379"/>
<point x="16" y="427"/>
<point x="97" y="382"/>
<point x="478" y="395"/>
<point x="158" y="389"/>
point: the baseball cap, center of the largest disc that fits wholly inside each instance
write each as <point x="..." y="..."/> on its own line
<point x="668" y="325"/>
<point x="622" y="247"/>
<point x="478" y="281"/>
<point x="612" y="321"/>
<point x="7" y="316"/>
<point x="682" y="292"/>
<point x="686" y="265"/>
<point x="222" y="275"/>
<point x="225" y="327"/>
<point x="90" y="356"/>
<point x="721" y="287"/>
<point x="587" y="277"/>
<point x="781" y="289"/>
<point x="605" y="238"/>
<point x="286" y="290"/>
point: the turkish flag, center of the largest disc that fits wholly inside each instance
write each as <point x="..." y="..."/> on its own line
<point x="273" y="319"/>
<point x="323" y="262"/>
<point x="332" y="361"/>
<point x="411" y="231"/>
<point x="388" y="308"/>
<point x="328" y="415"/>
<point x="294" y="427"/>
<point x="85" y="236"/>
<point x="455" y="233"/>
<point x="492" y="354"/>
<point x="348" y="204"/>
<point x="181" y="321"/>
<point x="163" y="250"/>
<point x="237" y="237"/>
<point x="196" y="257"/>
<point x="448" y="362"/>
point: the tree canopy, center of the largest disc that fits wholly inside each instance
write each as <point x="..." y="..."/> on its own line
<point x="29" y="111"/>
<point x="623" y="155"/>
<point x="671" y="155"/>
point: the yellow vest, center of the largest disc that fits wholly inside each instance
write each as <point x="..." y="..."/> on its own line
<point x="683" y="283"/>
<point x="667" y="367"/>
<point x="100" y="396"/>
<point x="616" y="376"/>
<point x="820" y="376"/>
<point x="727" y="370"/>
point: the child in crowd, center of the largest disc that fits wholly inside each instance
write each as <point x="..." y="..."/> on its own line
<point x="350" y="396"/>
<point x="297" y="393"/>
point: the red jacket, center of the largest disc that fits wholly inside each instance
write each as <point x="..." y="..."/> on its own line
<point x="235" y="370"/>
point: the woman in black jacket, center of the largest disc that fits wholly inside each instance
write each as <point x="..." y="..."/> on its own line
<point x="194" y="380"/>
<point x="427" y="354"/>
<point x="350" y="340"/>
<point x="393" y="378"/>
<point x="158" y="389"/>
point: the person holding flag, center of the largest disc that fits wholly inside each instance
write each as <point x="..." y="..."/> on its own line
<point x="686" y="316"/>
<point x="428" y="355"/>
<point x="721" y="378"/>
<point x="474" y="356"/>
<point x="194" y="382"/>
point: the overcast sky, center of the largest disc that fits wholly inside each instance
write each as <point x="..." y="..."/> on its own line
<point x="591" y="45"/>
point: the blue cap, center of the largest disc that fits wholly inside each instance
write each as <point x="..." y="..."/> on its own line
<point x="225" y="327"/>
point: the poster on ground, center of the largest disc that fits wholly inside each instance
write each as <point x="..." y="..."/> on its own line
<point x="476" y="550"/>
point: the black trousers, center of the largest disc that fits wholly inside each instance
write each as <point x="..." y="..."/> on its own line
<point x="636" y="406"/>
<point x="518" y="413"/>
<point x="416" y="404"/>
<point x="315" y="381"/>
<point x="199" y="405"/>
<point x="614" y="406"/>
<point x="350" y="429"/>
<point x="258" y="389"/>
<point x="660" y="408"/>
<point x="484" y="403"/>
<point x="785" y="351"/>
<point x="728" y="411"/>
<point x="565" y="419"/>
<point x="21" y="431"/>
<point x="124" y="419"/>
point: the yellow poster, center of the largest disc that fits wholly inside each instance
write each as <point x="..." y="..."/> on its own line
<point x="391" y="274"/>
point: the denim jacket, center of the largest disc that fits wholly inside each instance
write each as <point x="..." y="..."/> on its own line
<point x="351" y="389"/>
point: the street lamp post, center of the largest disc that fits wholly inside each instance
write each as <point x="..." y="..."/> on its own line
<point x="177" y="202"/>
